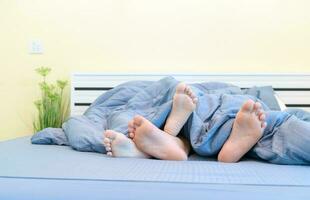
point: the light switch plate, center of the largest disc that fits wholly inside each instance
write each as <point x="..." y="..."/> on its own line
<point x="36" y="47"/>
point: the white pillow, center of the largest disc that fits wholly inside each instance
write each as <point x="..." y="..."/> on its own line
<point x="280" y="103"/>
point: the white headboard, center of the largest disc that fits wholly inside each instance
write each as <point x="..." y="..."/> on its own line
<point x="293" y="89"/>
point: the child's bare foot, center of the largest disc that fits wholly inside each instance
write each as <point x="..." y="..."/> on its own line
<point x="247" y="130"/>
<point x="118" y="145"/>
<point x="155" y="142"/>
<point x="184" y="103"/>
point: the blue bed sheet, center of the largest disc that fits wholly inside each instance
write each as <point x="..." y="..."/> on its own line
<point x="58" y="172"/>
<point x="21" y="159"/>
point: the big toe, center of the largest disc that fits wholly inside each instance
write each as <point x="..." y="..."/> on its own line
<point x="110" y="134"/>
<point x="138" y="120"/>
<point x="181" y="88"/>
<point x="248" y="106"/>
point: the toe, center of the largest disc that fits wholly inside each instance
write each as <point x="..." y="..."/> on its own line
<point x="131" y="135"/>
<point x="195" y="100"/>
<point x="257" y="107"/>
<point x="108" y="149"/>
<point x="130" y="124"/>
<point x="189" y="93"/>
<point x="193" y="96"/>
<point x="106" y="141"/>
<point x="248" y="106"/>
<point x="131" y="129"/>
<point x="109" y="153"/>
<point x="110" y="134"/>
<point x="264" y="125"/>
<point x="260" y="112"/>
<point x="138" y="120"/>
<point x="187" y="90"/>
<point x="262" y="117"/>
<point x="180" y="88"/>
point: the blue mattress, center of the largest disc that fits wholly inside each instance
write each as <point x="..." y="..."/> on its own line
<point x="57" y="172"/>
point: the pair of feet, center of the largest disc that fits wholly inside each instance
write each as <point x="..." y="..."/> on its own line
<point x="146" y="140"/>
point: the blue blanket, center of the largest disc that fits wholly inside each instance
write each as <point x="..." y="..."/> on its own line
<point x="207" y="129"/>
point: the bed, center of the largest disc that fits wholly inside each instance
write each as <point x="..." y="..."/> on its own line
<point x="57" y="172"/>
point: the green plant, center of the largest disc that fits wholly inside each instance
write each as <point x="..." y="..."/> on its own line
<point x="52" y="107"/>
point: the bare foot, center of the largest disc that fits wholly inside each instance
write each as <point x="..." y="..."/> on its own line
<point x="184" y="103"/>
<point x="155" y="142"/>
<point x="247" y="130"/>
<point x="118" y="145"/>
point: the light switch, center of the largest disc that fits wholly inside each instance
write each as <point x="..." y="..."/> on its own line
<point x="36" y="47"/>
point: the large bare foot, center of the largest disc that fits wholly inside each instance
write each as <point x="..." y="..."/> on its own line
<point x="118" y="145"/>
<point x="184" y="103"/>
<point x="247" y="130"/>
<point x="155" y="142"/>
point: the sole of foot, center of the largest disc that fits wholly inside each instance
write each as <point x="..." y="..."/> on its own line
<point x="184" y="103"/>
<point x="247" y="130"/>
<point x="156" y="142"/>
<point x="118" y="145"/>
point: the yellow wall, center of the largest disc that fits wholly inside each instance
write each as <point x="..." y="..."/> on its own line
<point x="143" y="35"/>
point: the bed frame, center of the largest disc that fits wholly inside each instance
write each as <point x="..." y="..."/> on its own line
<point x="292" y="89"/>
